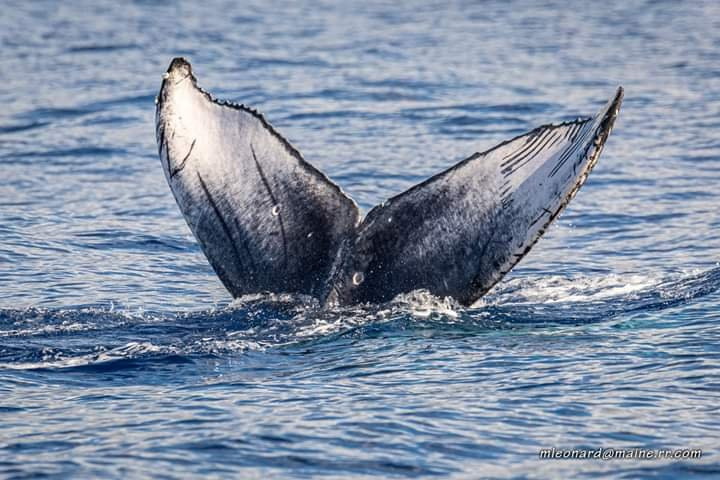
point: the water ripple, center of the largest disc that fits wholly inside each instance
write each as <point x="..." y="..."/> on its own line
<point x="122" y="356"/>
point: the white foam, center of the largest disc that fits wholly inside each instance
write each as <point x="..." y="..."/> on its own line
<point x="560" y="289"/>
<point x="423" y="304"/>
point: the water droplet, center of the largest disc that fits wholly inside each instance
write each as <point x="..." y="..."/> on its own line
<point x="358" y="278"/>
<point x="309" y="234"/>
<point x="390" y="220"/>
<point x="276" y="210"/>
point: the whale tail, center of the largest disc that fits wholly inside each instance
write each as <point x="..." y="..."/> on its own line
<point x="268" y="221"/>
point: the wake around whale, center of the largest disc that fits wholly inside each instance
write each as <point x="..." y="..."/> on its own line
<point x="268" y="221"/>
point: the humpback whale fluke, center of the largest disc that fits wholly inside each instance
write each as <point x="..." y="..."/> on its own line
<point x="268" y="221"/>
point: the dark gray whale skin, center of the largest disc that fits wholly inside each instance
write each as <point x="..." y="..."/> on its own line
<point x="268" y="221"/>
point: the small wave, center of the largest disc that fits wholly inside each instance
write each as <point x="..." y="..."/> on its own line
<point x="584" y="299"/>
<point x="22" y="127"/>
<point x="554" y="289"/>
<point x="101" y="48"/>
<point x="53" y="359"/>
<point x="105" y="339"/>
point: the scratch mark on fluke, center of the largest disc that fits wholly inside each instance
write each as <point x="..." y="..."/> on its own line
<point x="179" y="167"/>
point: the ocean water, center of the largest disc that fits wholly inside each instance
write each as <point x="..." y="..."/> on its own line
<point x="122" y="356"/>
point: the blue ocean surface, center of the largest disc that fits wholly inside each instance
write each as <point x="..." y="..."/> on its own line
<point x="122" y="356"/>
